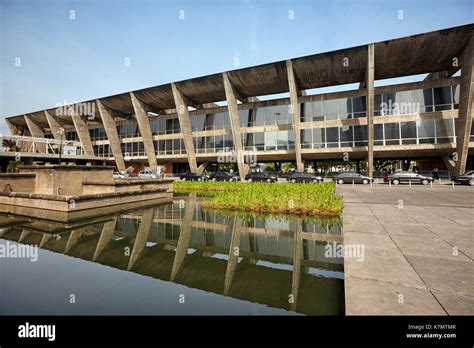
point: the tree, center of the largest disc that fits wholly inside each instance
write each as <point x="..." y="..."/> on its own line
<point x="380" y="164"/>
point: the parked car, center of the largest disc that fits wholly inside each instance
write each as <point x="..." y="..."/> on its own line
<point x="146" y="174"/>
<point x="352" y="177"/>
<point x="260" y="176"/>
<point x="303" y="177"/>
<point x="191" y="177"/>
<point x="119" y="175"/>
<point x="223" y="176"/>
<point x="407" y="177"/>
<point x="467" y="178"/>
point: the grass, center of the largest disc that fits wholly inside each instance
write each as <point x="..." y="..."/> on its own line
<point x="302" y="199"/>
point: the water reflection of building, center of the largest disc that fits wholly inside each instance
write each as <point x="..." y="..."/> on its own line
<point x="245" y="258"/>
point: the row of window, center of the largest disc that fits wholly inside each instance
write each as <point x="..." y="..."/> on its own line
<point x="269" y="141"/>
<point x="103" y="150"/>
<point x="128" y="131"/>
<point x="133" y="149"/>
<point x="164" y="126"/>
<point x="98" y="134"/>
<point x="393" y="103"/>
<point x="417" y="101"/>
<point x="213" y="143"/>
<point x="398" y="133"/>
<point x="169" y="147"/>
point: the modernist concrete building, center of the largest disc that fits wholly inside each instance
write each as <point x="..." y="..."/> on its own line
<point x="193" y="122"/>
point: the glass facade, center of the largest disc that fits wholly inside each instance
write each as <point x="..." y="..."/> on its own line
<point x="269" y="141"/>
<point x="72" y="136"/>
<point x="347" y="136"/>
<point x="133" y="149"/>
<point x="169" y="147"/>
<point x="102" y="150"/>
<point x="215" y="121"/>
<point x="265" y="116"/>
<point x="128" y="131"/>
<point x="98" y="134"/>
<point x="417" y="101"/>
<point x="336" y="109"/>
<point x="165" y="126"/>
<point x="213" y="143"/>
<point x="426" y="131"/>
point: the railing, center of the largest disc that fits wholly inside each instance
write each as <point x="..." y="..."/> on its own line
<point x="34" y="145"/>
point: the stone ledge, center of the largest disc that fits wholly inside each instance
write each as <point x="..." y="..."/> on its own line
<point x="128" y="182"/>
<point x="61" y="198"/>
<point x="66" y="167"/>
<point x="17" y="175"/>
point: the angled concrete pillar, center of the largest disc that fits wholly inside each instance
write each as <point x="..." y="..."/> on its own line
<point x="72" y="240"/>
<point x="231" y="97"/>
<point x="53" y="125"/>
<point x="105" y="237"/>
<point x="83" y="133"/>
<point x="298" y="243"/>
<point x="295" y="113"/>
<point x="23" y="235"/>
<point x="184" y="237"/>
<point x="12" y="127"/>
<point x="369" y="81"/>
<point x="466" y="107"/>
<point x="112" y="134"/>
<point x="234" y="252"/>
<point x="35" y="131"/>
<point x="141" y="237"/>
<point x="185" y="124"/>
<point x="44" y="239"/>
<point x="145" y="131"/>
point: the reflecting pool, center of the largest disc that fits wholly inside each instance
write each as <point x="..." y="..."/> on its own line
<point x="173" y="258"/>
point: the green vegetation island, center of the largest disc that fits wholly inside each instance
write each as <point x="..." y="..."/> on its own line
<point x="311" y="199"/>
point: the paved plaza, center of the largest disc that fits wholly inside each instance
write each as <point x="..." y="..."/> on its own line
<point x="418" y="249"/>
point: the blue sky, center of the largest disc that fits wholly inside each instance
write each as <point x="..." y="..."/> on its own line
<point x="64" y="59"/>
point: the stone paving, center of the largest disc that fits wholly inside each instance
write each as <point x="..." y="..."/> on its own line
<point x="418" y="249"/>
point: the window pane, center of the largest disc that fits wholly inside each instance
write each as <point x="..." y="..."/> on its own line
<point x="392" y="131"/>
<point x="346" y="136"/>
<point x="442" y="98"/>
<point x="332" y="135"/>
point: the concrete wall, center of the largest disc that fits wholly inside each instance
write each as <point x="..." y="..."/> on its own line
<point x="66" y="180"/>
<point x="17" y="182"/>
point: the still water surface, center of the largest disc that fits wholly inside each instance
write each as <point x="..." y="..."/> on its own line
<point x="173" y="258"/>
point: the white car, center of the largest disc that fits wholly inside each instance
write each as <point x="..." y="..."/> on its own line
<point x="118" y="175"/>
<point x="146" y="174"/>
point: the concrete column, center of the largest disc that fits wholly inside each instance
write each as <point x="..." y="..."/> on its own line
<point x="235" y="123"/>
<point x="53" y="125"/>
<point x="466" y="108"/>
<point x="83" y="132"/>
<point x="112" y="134"/>
<point x="23" y="235"/>
<point x="141" y="237"/>
<point x="35" y="131"/>
<point x="370" y="74"/>
<point x="295" y="113"/>
<point x="184" y="237"/>
<point x="12" y="127"/>
<point x="44" y="239"/>
<point x="185" y="124"/>
<point x="72" y="240"/>
<point x="298" y="243"/>
<point x="105" y="237"/>
<point x="233" y="253"/>
<point x="145" y="131"/>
